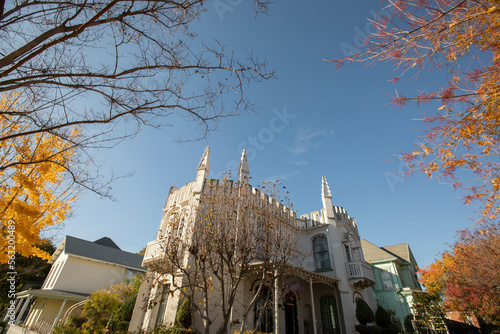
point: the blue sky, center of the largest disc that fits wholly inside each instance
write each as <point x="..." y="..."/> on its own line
<point x="312" y="121"/>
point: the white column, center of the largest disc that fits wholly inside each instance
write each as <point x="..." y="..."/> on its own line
<point x="276" y="295"/>
<point x="23" y="309"/>
<point x="39" y="311"/>
<point x="59" y="314"/>
<point x="312" y="305"/>
<point x="17" y="303"/>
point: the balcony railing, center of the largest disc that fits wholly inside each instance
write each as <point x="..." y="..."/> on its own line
<point x="154" y="250"/>
<point x="359" y="270"/>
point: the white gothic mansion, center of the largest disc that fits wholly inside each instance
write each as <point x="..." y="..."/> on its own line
<point x="317" y="295"/>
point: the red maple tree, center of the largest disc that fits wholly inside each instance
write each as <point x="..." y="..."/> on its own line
<point x="468" y="275"/>
<point x="461" y="145"/>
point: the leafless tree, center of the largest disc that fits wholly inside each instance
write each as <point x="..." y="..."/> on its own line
<point x="93" y="65"/>
<point x="238" y="233"/>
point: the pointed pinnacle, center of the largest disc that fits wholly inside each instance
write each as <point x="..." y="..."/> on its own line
<point x="325" y="190"/>
<point x="205" y="159"/>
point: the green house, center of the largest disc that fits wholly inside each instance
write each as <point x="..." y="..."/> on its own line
<point x="395" y="271"/>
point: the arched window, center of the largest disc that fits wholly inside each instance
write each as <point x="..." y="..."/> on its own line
<point x="321" y="254"/>
<point x="291" y="320"/>
<point x="348" y="255"/>
<point x="162" y="305"/>
<point x="263" y="311"/>
<point x="180" y="227"/>
<point x="329" y="316"/>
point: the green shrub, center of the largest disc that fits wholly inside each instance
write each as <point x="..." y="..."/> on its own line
<point x="72" y="326"/>
<point x="162" y="329"/>
<point x="121" y="326"/>
<point x="382" y="318"/>
<point x="395" y="321"/>
<point x="76" y="322"/>
<point x="176" y="330"/>
<point x="183" y="316"/>
<point x="125" y="313"/>
<point x="364" y="329"/>
<point x="389" y="330"/>
<point x="364" y="313"/>
<point x="66" y="329"/>
<point x="408" y="324"/>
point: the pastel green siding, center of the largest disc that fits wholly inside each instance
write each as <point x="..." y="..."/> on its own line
<point x="392" y="298"/>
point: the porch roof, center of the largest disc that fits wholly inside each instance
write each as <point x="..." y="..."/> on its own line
<point x="311" y="276"/>
<point x="55" y="294"/>
<point x="304" y="274"/>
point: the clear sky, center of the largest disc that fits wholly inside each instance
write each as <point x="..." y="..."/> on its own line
<point x="312" y="121"/>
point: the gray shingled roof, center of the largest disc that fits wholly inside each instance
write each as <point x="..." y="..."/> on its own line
<point x="372" y="252"/>
<point x="401" y="250"/>
<point x="107" y="242"/>
<point x="96" y="251"/>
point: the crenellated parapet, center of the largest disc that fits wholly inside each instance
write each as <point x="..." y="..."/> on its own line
<point x="179" y="195"/>
<point x="318" y="218"/>
<point x="217" y="187"/>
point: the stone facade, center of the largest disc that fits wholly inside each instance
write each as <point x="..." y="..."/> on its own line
<point x="317" y="296"/>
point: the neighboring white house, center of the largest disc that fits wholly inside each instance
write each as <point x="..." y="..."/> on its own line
<point x="318" y="297"/>
<point x="79" y="267"/>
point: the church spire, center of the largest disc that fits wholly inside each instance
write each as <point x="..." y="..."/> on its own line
<point x="326" y="197"/>
<point x="325" y="190"/>
<point x="244" y="170"/>
<point x="205" y="160"/>
<point x="203" y="170"/>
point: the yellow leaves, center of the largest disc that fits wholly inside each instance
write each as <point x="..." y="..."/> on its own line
<point x="427" y="150"/>
<point x="495" y="184"/>
<point x="432" y="167"/>
<point x="486" y="150"/>
<point x="491" y="9"/>
<point x="442" y="107"/>
<point x="34" y="193"/>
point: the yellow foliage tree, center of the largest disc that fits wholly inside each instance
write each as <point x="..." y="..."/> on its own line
<point x="35" y="191"/>
<point x="462" y="144"/>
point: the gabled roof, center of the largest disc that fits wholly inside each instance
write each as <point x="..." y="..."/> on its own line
<point x="100" y="250"/>
<point x="107" y="242"/>
<point x="373" y="253"/>
<point x="401" y="250"/>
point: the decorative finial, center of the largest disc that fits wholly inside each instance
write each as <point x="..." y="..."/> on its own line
<point x="244" y="169"/>
<point x="325" y="190"/>
<point x="202" y="172"/>
<point x="204" y="163"/>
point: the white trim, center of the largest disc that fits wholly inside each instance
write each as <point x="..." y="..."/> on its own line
<point x="312" y="306"/>
<point x="59" y="313"/>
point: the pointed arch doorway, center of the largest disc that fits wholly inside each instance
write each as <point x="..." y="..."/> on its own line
<point x="291" y="321"/>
